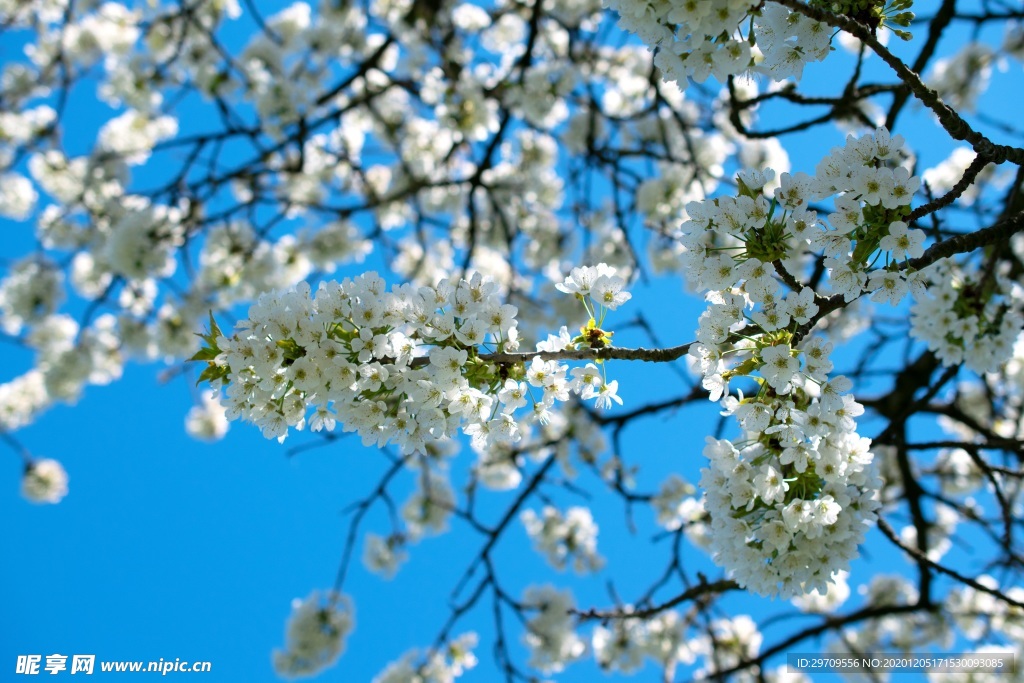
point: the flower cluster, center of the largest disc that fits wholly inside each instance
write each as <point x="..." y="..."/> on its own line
<point x="974" y="323"/>
<point x="315" y="635"/>
<point x="787" y="513"/>
<point x="625" y="643"/>
<point x="745" y="237"/>
<point x="963" y="77"/>
<point x="550" y="635"/>
<point x="207" y="421"/>
<point x="22" y="399"/>
<point x="979" y="613"/>
<point x="403" y="366"/>
<point x="563" y="538"/>
<point x="700" y="38"/>
<point x="791" y="500"/>
<point x="730" y="642"/>
<point x="31" y="291"/>
<point x="44" y="481"/>
<point x="384" y="555"/>
<point x="600" y="283"/>
<point x="669" y="640"/>
<point x="678" y="507"/>
<point x="430" y="506"/>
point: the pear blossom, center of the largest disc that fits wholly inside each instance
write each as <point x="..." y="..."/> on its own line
<point x="44" y="481"/>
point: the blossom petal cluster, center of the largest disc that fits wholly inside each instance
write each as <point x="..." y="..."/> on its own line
<point x="792" y="498"/>
<point x="625" y="643"/>
<point x="397" y="367"/>
<point x="600" y="282"/>
<point x="44" y="481"/>
<point x="699" y="39"/>
<point x="968" y="323"/>
<point x="384" y="555"/>
<point x="571" y="537"/>
<point x="315" y="634"/>
<point x="744" y="238"/>
<point x="785" y="523"/>
<point x="354" y="353"/>
<point x="550" y="634"/>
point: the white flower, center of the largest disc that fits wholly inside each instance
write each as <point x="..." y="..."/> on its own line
<point x="472" y="332"/>
<point x="44" y="481"/>
<point x="564" y="538"/>
<point x="549" y="635"/>
<point x="513" y="395"/>
<point x="797" y="514"/>
<point x="902" y="242"/>
<point x="817" y="362"/>
<point x="17" y="196"/>
<point x="771" y="318"/>
<point x="754" y="179"/>
<point x="582" y="280"/>
<point x="559" y="342"/>
<point x="794" y="190"/>
<point x="770" y="485"/>
<point x="607" y="291"/>
<point x="826" y="511"/>
<point x="504" y="429"/>
<point x="900" y="189"/>
<point x="888" y="285"/>
<point x="716" y="385"/>
<point x="133" y="135"/>
<point x="448" y="361"/>
<point x="800" y="305"/>
<point x="847" y="216"/>
<point x="755" y="416"/>
<point x="546" y="374"/>
<point x="779" y="367"/>
<point x="322" y="419"/>
<point x="315" y="634"/>
<point x="586" y="381"/>
<point x="607" y="394"/>
<point x="845" y="281"/>
<point x="502" y="318"/>
<point x="207" y="421"/>
<point x="870" y="184"/>
<point x="384" y="555"/>
<point x="832" y="392"/>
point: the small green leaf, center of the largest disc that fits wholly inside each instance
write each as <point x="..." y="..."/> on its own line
<point x="212" y="373"/>
<point x="204" y="354"/>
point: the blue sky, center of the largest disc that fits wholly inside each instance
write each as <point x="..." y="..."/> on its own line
<point x="170" y="548"/>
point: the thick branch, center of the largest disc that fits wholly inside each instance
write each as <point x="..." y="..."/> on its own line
<point x="970" y="241"/>
<point x="606" y="353"/>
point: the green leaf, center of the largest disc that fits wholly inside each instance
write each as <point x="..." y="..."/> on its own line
<point x="204" y="354"/>
<point x="212" y="373"/>
<point x="211" y="350"/>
